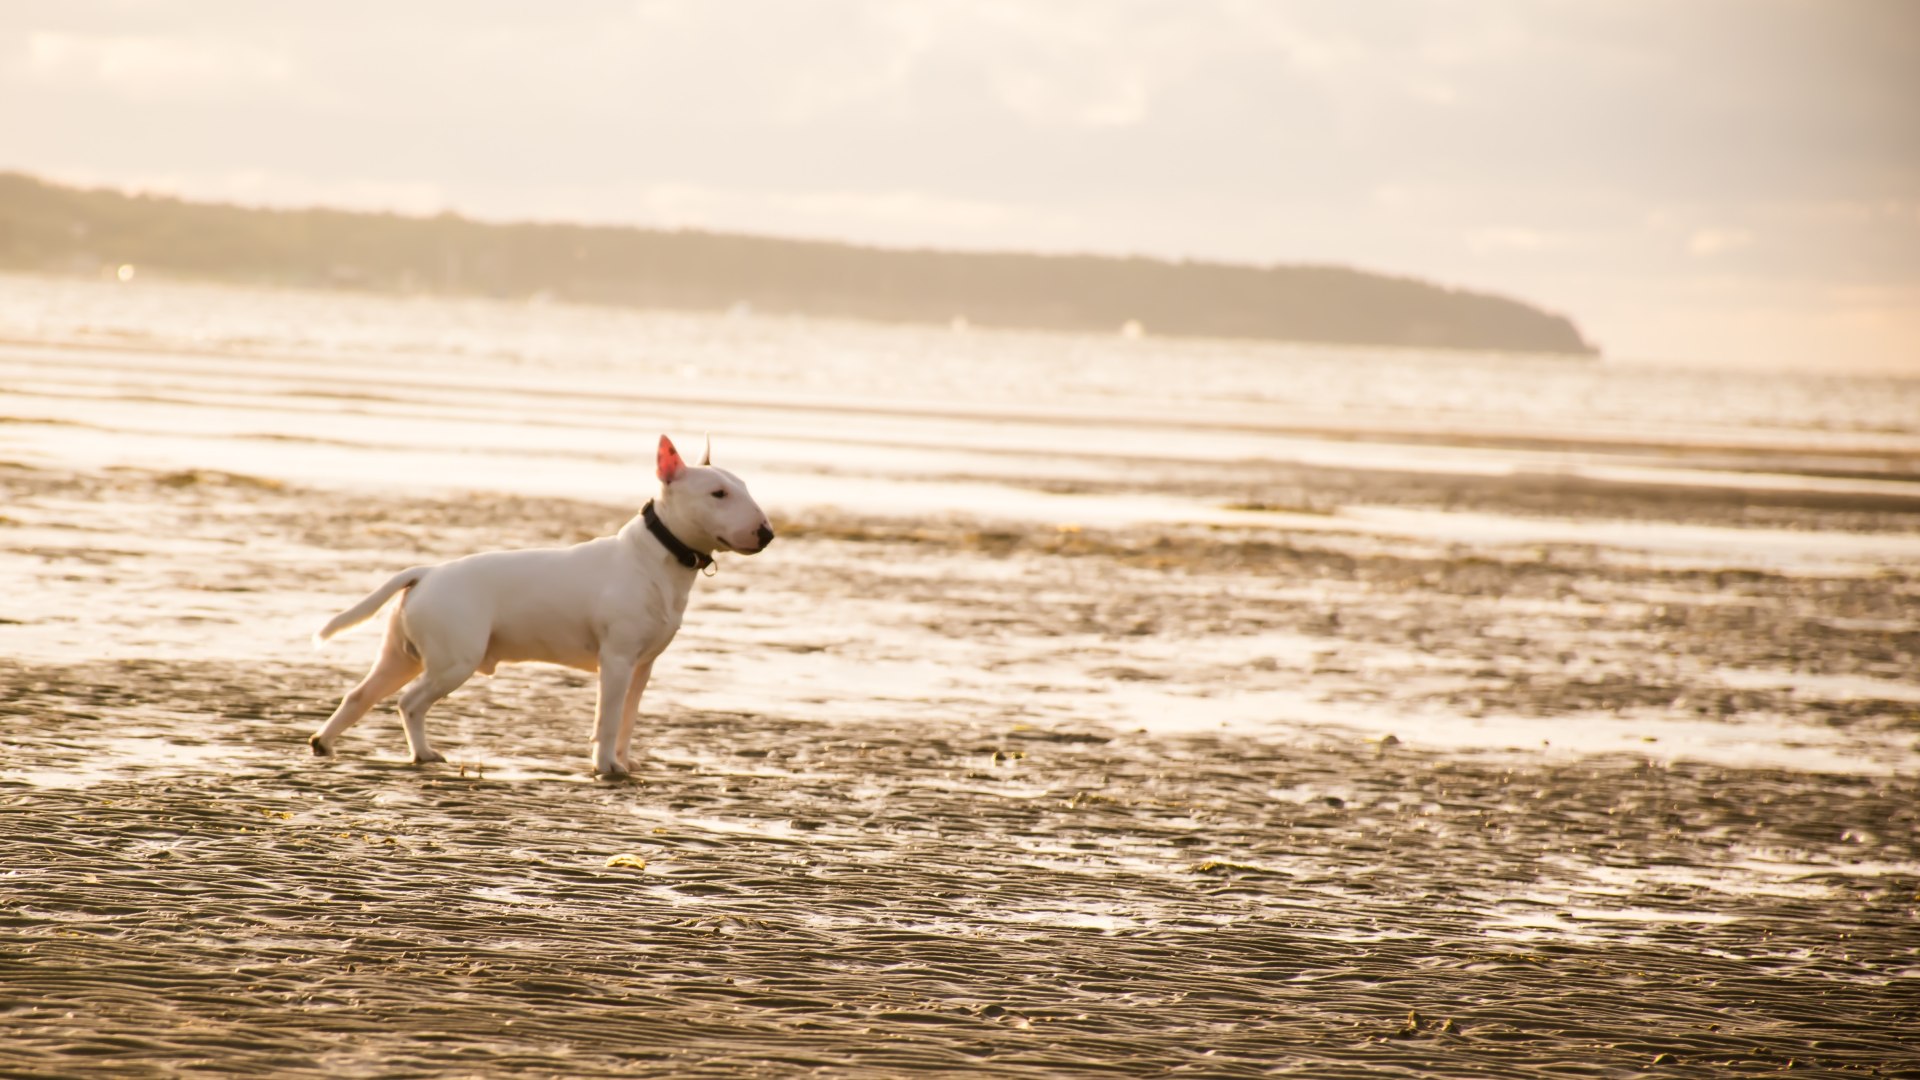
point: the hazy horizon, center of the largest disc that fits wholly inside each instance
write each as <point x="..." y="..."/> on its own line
<point x="1724" y="183"/>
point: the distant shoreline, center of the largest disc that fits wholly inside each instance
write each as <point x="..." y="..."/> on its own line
<point x="48" y="228"/>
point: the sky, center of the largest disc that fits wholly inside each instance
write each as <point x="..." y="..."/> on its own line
<point x="1723" y="182"/>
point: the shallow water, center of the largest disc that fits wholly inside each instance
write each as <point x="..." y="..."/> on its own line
<point x="1325" y="711"/>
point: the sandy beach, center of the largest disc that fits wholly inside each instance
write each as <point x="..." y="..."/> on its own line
<point x="1061" y="733"/>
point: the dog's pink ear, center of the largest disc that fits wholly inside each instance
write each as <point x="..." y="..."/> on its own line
<point x="668" y="465"/>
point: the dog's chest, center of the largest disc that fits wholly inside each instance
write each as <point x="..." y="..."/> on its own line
<point x="652" y="615"/>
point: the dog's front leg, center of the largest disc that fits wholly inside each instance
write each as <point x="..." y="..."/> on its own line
<point x="629" y="715"/>
<point x="616" y="674"/>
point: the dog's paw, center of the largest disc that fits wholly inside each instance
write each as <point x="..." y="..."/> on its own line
<point x="429" y="757"/>
<point x="320" y="749"/>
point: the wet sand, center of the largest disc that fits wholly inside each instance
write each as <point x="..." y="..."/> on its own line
<point x="967" y="796"/>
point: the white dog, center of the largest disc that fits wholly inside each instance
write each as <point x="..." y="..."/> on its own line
<point x="609" y="605"/>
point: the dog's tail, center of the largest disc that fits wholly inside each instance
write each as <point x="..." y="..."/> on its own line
<point x="364" y="610"/>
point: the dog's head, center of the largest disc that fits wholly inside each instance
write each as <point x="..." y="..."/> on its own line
<point x="708" y="508"/>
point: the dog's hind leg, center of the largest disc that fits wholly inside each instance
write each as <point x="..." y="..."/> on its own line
<point x="391" y="670"/>
<point x="440" y="680"/>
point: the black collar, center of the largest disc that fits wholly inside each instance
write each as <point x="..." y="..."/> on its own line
<point x="688" y="557"/>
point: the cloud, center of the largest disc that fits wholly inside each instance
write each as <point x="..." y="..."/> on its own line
<point x="1708" y="242"/>
<point x="1515" y="239"/>
<point x="264" y="188"/>
<point x="1105" y="100"/>
<point x="137" y="65"/>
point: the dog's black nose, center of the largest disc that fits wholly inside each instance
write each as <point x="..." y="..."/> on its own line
<point x="765" y="535"/>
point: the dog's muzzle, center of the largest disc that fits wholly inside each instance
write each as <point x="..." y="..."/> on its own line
<point x="761" y="538"/>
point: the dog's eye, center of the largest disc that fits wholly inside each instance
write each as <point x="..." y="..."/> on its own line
<point x="721" y="494"/>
